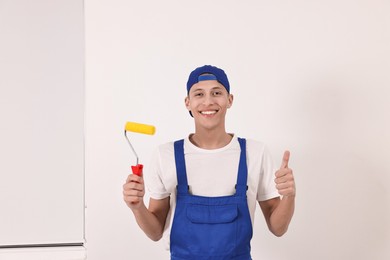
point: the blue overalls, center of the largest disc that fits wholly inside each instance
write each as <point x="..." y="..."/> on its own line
<point x="212" y="228"/>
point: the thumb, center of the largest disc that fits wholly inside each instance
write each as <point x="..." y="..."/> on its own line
<point x="286" y="158"/>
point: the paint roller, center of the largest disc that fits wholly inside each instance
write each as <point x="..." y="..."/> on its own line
<point x="142" y="129"/>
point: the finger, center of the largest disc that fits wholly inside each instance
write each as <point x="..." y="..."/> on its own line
<point x="132" y="199"/>
<point x="287" y="192"/>
<point x="283" y="174"/>
<point x="133" y="193"/>
<point x="133" y="186"/>
<point x="134" y="178"/>
<point x="284" y="185"/>
<point x="281" y="179"/>
<point x="286" y="158"/>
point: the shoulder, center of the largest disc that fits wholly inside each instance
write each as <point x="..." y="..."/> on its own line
<point x="258" y="152"/>
<point x="255" y="146"/>
<point x="166" y="147"/>
<point x="162" y="152"/>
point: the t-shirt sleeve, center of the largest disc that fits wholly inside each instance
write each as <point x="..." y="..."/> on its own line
<point x="267" y="189"/>
<point x="153" y="178"/>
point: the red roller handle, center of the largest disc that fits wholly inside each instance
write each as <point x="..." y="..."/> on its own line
<point x="137" y="170"/>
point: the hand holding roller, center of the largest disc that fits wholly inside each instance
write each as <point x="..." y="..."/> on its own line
<point x="142" y="129"/>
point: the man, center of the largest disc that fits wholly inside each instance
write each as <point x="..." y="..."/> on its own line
<point x="203" y="189"/>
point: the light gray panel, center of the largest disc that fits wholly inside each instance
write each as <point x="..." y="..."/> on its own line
<point x="42" y="122"/>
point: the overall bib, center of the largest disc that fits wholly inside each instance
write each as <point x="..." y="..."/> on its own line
<point x="212" y="228"/>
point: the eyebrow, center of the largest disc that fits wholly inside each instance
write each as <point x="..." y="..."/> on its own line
<point x="213" y="88"/>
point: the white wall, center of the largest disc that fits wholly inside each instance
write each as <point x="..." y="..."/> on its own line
<point x="42" y="123"/>
<point x="309" y="76"/>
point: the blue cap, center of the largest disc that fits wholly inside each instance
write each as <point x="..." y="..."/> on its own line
<point x="208" y="72"/>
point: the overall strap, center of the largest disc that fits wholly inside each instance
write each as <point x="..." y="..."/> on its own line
<point x="241" y="186"/>
<point x="182" y="183"/>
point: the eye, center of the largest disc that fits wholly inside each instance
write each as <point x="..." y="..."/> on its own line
<point x="217" y="93"/>
<point x="197" y="94"/>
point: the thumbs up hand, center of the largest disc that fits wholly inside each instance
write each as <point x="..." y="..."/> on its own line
<point x="284" y="178"/>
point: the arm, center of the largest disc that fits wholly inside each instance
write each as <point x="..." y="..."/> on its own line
<point x="151" y="220"/>
<point x="279" y="212"/>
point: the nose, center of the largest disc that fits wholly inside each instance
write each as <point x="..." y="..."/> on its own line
<point x="208" y="99"/>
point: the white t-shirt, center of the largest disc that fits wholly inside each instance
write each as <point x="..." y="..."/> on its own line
<point x="211" y="173"/>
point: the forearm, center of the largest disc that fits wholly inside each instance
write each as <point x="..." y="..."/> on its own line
<point x="151" y="220"/>
<point x="150" y="224"/>
<point x="282" y="215"/>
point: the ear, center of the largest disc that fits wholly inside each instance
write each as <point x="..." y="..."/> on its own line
<point x="230" y="100"/>
<point x="187" y="102"/>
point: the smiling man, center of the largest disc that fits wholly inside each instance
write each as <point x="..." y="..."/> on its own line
<point x="208" y="101"/>
<point x="204" y="188"/>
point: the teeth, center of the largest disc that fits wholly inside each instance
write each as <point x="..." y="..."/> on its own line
<point x="208" y="112"/>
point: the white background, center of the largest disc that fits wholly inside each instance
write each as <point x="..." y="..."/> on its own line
<point x="308" y="76"/>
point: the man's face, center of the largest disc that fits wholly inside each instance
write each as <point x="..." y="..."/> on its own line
<point x="208" y="101"/>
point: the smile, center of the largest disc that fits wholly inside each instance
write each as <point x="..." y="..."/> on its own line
<point x="210" y="112"/>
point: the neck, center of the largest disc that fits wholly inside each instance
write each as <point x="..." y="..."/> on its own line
<point x="210" y="139"/>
